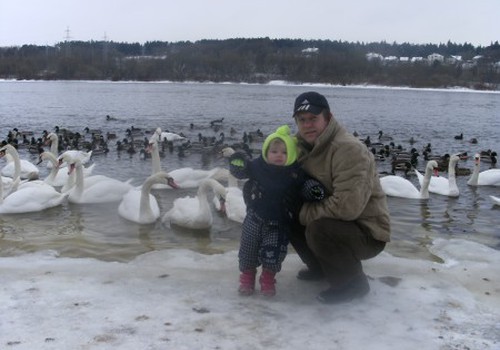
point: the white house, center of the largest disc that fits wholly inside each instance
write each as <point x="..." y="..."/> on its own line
<point x="435" y="57"/>
<point x="372" y="56"/>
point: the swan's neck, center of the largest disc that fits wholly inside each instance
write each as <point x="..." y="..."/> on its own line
<point x="232" y="181"/>
<point x="54" y="146"/>
<point x="54" y="170"/>
<point x="452" y="179"/>
<point x="1" y="191"/>
<point x="155" y="159"/>
<point x="14" y="156"/>
<point x="145" y="207"/>
<point x="424" y="191"/>
<point x="78" y="191"/>
<point x="475" y="174"/>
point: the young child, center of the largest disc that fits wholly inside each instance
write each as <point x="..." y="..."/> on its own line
<point x="274" y="193"/>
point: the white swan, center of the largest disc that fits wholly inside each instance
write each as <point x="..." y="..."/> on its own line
<point x="30" y="199"/>
<point x="235" y="206"/>
<point x="495" y="200"/>
<point x="184" y="177"/>
<point x="27" y="170"/>
<point x="58" y="176"/>
<point x="100" y="189"/>
<point x="441" y="185"/>
<point x="139" y="205"/>
<point x="53" y="141"/>
<point x="396" y="186"/>
<point x="490" y="177"/>
<point x="195" y="212"/>
<point x="169" y="136"/>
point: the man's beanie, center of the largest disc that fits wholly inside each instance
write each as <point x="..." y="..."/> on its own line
<point x="283" y="133"/>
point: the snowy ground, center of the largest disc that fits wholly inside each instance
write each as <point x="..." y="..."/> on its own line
<point x="178" y="299"/>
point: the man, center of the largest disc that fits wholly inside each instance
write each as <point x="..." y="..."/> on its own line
<point x="352" y="223"/>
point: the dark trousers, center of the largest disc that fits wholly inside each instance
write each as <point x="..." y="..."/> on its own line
<point x="335" y="246"/>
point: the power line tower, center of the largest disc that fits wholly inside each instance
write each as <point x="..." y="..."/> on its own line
<point x="67" y="38"/>
<point x="105" y="48"/>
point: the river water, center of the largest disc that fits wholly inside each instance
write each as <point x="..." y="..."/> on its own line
<point x="429" y="116"/>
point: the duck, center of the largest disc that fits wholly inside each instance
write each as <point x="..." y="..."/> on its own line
<point x="441" y="185"/>
<point x="396" y="186"/>
<point x="459" y="137"/>
<point x="382" y="137"/>
<point x="27" y="170"/>
<point x="99" y="189"/>
<point x="139" y="205"/>
<point x="195" y="212"/>
<point x="495" y="200"/>
<point x="490" y="177"/>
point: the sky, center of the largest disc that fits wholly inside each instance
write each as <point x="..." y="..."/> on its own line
<point x="418" y="22"/>
<point x="180" y="299"/>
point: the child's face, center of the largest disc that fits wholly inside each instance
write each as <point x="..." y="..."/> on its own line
<point x="276" y="153"/>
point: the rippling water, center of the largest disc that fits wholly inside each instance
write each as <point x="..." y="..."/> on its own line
<point x="430" y="116"/>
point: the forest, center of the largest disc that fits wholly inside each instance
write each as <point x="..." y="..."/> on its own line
<point x="258" y="60"/>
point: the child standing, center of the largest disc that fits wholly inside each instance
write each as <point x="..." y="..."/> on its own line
<point x="274" y="193"/>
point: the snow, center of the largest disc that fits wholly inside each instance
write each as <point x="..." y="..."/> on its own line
<point x="180" y="299"/>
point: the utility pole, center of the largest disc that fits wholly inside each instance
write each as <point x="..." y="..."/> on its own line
<point x="105" y="48"/>
<point x="67" y="39"/>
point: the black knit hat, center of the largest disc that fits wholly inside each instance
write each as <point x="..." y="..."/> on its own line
<point x="311" y="102"/>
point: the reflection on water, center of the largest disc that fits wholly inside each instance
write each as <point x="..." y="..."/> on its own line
<point x="98" y="231"/>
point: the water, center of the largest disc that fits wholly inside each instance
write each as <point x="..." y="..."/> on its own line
<point x="430" y="116"/>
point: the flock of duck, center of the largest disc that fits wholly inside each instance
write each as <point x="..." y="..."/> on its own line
<point x="70" y="179"/>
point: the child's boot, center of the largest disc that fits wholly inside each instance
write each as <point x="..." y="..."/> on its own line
<point x="247" y="282"/>
<point x="267" y="283"/>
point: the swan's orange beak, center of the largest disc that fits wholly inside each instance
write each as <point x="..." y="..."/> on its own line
<point x="71" y="168"/>
<point x="436" y="172"/>
<point x="171" y="182"/>
<point x="222" y="205"/>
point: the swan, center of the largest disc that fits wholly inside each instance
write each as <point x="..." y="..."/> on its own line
<point x="195" y="212"/>
<point x="235" y="206"/>
<point x="30" y="199"/>
<point x="53" y="141"/>
<point x="27" y="170"/>
<point x="99" y="189"/>
<point x="441" y="185"/>
<point x="184" y="177"/>
<point x="490" y="177"/>
<point x="169" y="136"/>
<point x="58" y="176"/>
<point x="495" y="200"/>
<point x="396" y="186"/>
<point x="139" y="205"/>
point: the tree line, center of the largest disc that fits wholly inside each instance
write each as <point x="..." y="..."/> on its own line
<point x="258" y="60"/>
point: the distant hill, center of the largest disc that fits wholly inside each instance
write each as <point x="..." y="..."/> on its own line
<point x="260" y="60"/>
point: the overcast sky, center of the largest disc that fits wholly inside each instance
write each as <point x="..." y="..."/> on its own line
<point x="48" y="22"/>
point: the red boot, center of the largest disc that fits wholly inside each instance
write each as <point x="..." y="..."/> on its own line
<point x="267" y="283"/>
<point x="247" y="282"/>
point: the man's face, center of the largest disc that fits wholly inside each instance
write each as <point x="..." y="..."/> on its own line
<point x="310" y="126"/>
